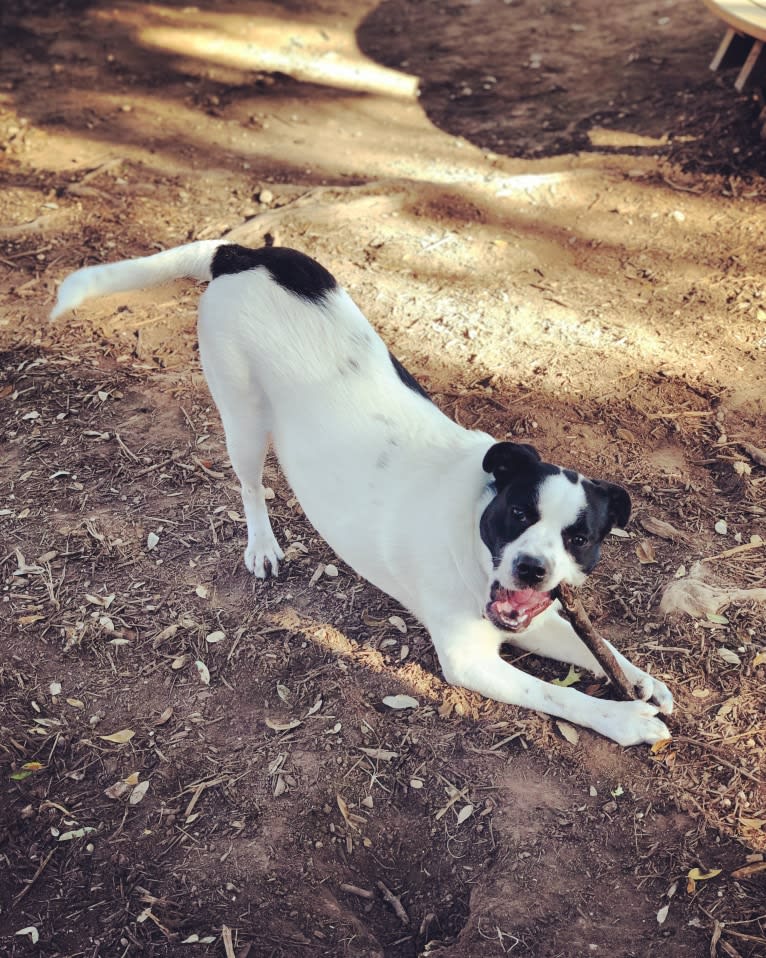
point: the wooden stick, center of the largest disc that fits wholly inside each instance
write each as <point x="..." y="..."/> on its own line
<point x="228" y="944"/>
<point x="578" y="617"/>
<point x="356" y="890"/>
<point x="394" y="902"/>
<point x="36" y="875"/>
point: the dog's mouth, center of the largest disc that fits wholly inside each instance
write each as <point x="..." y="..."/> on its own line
<point x="512" y="611"/>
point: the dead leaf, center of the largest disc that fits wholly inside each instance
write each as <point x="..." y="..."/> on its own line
<point x="371" y="622"/>
<point x="315" y="707"/>
<point x="752" y="824"/>
<point x="27" y="769"/>
<point x="119" y="738"/>
<point x="277" y="726"/>
<point x="165" y="716"/>
<point x="331" y="570"/>
<point x="166" y="633"/>
<point x="280" y="786"/>
<point x="398" y="623"/>
<point x="464" y="814"/>
<point x="696" y="874"/>
<point x="569" y="732"/>
<point x="30" y="619"/>
<point x="203" y="672"/>
<point x="380" y="753"/>
<point x="401" y="702"/>
<point x="645" y="552"/>
<point x="215" y="637"/>
<point x="75" y="703"/>
<point x="728" y="656"/>
<point x="570" y="678"/>
<point x="101" y="600"/>
<point x="33" y="933"/>
<point x="138" y="792"/>
<point x="117" y="790"/>
<point x="76" y="833"/>
<point x="662" y="914"/>
<point x="760" y="658"/>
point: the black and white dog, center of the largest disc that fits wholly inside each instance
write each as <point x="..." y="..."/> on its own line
<point x="469" y="534"/>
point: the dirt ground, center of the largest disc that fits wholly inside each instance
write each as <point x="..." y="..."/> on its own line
<point x="554" y="216"/>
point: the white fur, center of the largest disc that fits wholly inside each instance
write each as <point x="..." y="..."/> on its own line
<point x="394" y="486"/>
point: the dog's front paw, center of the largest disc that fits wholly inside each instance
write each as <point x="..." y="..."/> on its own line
<point x="650" y="689"/>
<point x="633" y="723"/>
<point x="262" y="558"/>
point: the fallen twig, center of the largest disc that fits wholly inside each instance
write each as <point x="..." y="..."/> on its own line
<point x="227" y="942"/>
<point x="394" y="902"/>
<point x="582" y="625"/>
<point x="735" y="550"/>
<point x="756" y="454"/>
<point x="36" y="875"/>
<point x="718" y="757"/>
<point x="355" y="890"/>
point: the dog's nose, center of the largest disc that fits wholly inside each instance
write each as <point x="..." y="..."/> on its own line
<point x="530" y="570"/>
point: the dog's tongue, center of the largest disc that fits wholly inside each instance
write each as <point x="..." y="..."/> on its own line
<point x="524" y="600"/>
<point x="517" y="609"/>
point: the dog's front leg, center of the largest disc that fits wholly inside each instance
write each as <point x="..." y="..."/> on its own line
<point x="553" y="637"/>
<point x="469" y="657"/>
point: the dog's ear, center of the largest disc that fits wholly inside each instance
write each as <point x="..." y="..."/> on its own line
<point x="617" y="501"/>
<point x="505" y="459"/>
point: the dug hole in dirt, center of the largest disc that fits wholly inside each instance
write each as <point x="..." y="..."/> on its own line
<point x="553" y="213"/>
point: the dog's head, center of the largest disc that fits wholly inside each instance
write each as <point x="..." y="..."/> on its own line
<point x="545" y="525"/>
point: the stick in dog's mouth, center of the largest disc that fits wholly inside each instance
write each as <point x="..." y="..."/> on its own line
<point x="578" y="617"/>
<point x="511" y="610"/>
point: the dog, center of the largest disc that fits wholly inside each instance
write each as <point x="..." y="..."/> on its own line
<point x="470" y="534"/>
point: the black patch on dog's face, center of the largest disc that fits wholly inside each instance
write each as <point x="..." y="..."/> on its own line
<point x="608" y="506"/>
<point x="518" y="472"/>
<point x="407" y="378"/>
<point x="292" y="270"/>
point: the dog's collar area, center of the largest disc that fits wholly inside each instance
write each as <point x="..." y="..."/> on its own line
<point x="513" y="610"/>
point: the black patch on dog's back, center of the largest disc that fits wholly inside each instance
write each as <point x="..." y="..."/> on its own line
<point x="407" y="378"/>
<point x="292" y="270"/>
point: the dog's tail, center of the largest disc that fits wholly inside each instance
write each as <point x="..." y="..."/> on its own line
<point x="191" y="261"/>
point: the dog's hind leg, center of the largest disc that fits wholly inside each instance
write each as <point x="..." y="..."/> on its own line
<point x="247" y="451"/>
<point x="245" y="411"/>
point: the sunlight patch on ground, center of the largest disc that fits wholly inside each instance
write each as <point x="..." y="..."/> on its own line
<point x="258" y="43"/>
<point x="410" y="678"/>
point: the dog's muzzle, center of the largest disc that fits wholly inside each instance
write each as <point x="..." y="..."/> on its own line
<point x="512" y="611"/>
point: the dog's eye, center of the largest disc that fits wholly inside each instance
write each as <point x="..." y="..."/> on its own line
<point x="518" y="514"/>
<point x="578" y="541"/>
